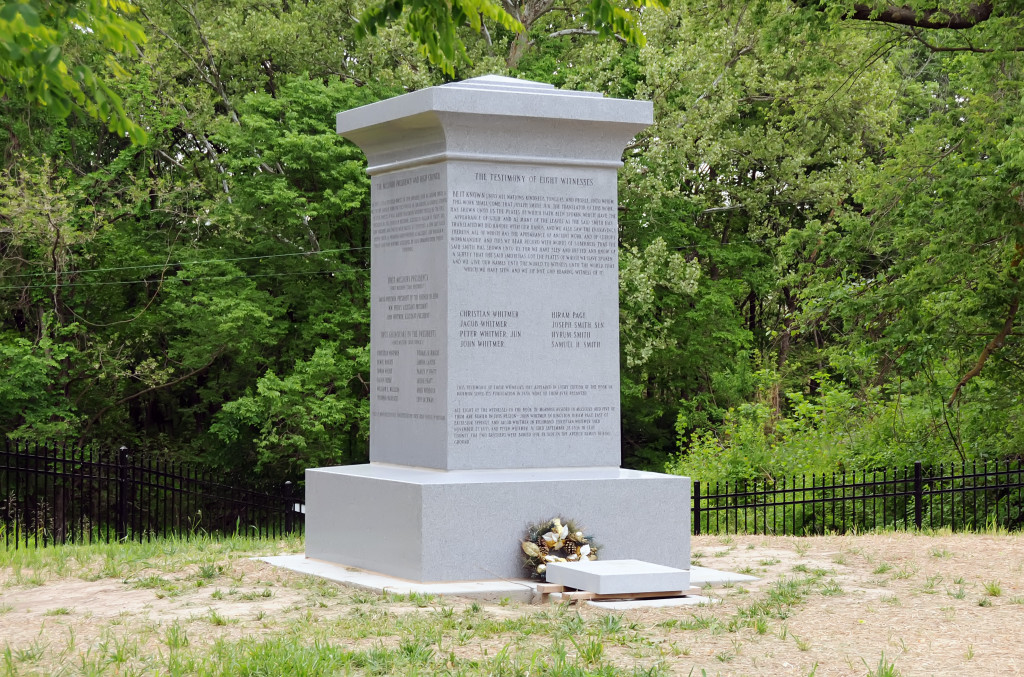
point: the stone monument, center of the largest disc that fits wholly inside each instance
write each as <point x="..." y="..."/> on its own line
<point x="495" y="352"/>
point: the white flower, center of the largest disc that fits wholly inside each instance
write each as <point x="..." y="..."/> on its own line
<point x="584" y="550"/>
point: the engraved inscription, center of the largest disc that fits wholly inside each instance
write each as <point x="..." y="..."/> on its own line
<point x="409" y="302"/>
<point x="408" y="212"/>
<point x="490" y="328"/>
<point x="408" y="220"/>
<point x="414" y="304"/>
<point x="470" y="423"/>
<point x="571" y="329"/>
<point x="494" y="232"/>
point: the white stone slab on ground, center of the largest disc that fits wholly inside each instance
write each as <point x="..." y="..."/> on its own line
<point x="618" y="576"/>
<point x="701" y="576"/>
<point x="626" y="604"/>
<point x="517" y="590"/>
<point x="494" y="590"/>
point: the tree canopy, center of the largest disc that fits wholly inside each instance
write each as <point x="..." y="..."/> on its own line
<point x="39" y="41"/>
<point x="820" y="238"/>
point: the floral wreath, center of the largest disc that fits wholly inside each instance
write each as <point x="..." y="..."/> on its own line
<point x="553" y="541"/>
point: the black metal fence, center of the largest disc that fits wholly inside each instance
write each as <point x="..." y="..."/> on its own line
<point x="961" y="498"/>
<point x="60" y="494"/>
<point x="51" y="494"/>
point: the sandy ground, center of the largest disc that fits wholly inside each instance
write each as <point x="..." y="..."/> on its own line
<point x="920" y="600"/>
<point x="932" y="604"/>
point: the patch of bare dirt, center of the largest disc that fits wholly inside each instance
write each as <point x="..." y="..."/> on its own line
<point x="234" y="601"/>
<point x="931" y="604"/>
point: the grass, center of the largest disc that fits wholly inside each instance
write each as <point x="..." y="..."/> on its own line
<point x="883" y="669"/>
<point x="330" y="630"/>
<point x="904" y="572"/>
<point x="993" y="589"/>
<point x="831" y="588"/>
<point x="144" y="564"/>
<point x="802" y="645"/>
<point x="227" y="625"/>
<point x="176" y="636"/>
<point x="265" y="593"/>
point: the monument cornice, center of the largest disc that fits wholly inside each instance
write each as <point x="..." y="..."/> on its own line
<point x="542" y="160"/>
<point x="493" y="119"/>
<point x="493" y="95"/>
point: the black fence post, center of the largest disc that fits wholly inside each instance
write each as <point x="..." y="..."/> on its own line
<point x="289" y="507"/>
<point x="918" y="494"/>
<point x="696" y="507"/>
<point x="122" y="493"/>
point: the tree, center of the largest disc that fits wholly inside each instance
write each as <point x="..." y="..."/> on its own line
<point x="435" y="24"/>
<point x="37" y="40"/>
<point x="221" y="255"/>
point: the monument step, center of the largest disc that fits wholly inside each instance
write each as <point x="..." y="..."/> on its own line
<point x="619" y="577"/>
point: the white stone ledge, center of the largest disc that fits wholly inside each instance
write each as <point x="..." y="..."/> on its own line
<point x="491" y="158"/>
<point x="421" y="476"/>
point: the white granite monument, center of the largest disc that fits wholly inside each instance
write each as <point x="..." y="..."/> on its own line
<point x="495" y="352"/>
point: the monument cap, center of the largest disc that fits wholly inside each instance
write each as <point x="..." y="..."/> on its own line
<point x="498" y="95"/>
<point x="494" y="118"/>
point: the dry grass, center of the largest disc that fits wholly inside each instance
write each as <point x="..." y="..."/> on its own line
<point x="916" y="598"/>
<point x="930" y="604"/>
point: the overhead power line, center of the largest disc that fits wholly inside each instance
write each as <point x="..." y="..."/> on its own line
<point x="169" y="264"/>
<point x="172" y="279"/>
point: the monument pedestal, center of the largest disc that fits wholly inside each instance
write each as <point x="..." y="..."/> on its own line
<point x="494" y="366"/>
<point x="429" y="525"/>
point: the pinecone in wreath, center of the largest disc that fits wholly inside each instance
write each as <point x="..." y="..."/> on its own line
<point x="570" y="547"/>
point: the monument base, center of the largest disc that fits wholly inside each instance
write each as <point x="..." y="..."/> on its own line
<point x="433" y="526"/>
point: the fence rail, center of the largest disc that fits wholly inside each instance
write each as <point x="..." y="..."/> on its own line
<point x="62" y="494"/>
<point x="962" y="498"/>
<point x="51" y="495"/>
